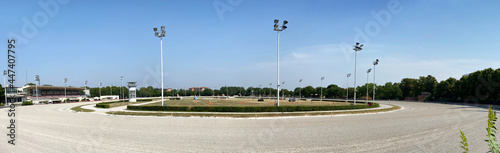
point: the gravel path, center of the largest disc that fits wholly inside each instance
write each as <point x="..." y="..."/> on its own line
<point x="419" y="127"/>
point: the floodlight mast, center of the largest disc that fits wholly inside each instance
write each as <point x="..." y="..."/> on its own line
<point x="358" y="47"/>
<point x="5" y="86"/>
<point x="65" y="80"/>
<point x="374" y="85"/>
<point x="161" y="34"/>
<point x="121" y="91"/>
<point x="322" y="78"/>
<point x="347" y="89"/>
<point x="100" y="84"/>
<point x="278" y="28"/>
<point x="283" y="93"/>
<point x="367" y="72"/>
<point x="37" y="78"/>
<point x="300" y="89"/>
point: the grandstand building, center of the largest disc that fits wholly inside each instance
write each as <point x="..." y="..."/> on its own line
<point x="54" y="94"/>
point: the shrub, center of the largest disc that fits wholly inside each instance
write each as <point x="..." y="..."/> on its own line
<point x="492" y="131"/>
<point x="105" y="104"/>
<point x="138" y="100"/>
<point x="27" y="103"/>
<point x="260" y="99"/>
<point x="248" y="108"/>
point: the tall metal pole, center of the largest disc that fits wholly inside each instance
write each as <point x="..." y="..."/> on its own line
<point x="260" y="91"/>
<point x="278" y="78"/>
<point x="367" y="73"/>
<point x="373" y="98"/>
<point x="161" y="56"/>
<point x="121" y="93"/>
<point x="100" y="84"/>
<point x="282" y="83"/>
<point x="347" y="89"/>
<point x="5" y="86"/>
<point x="36" y="87"/>
<point x="367" y="87"/>
<point x="161" y="34"/>
<point x="270" y="91"/>
<point x="322" y="88"/>
<point x="278" y="28"/>
<point x="355" y="78"/>
<point x="300" y="89"/>
<point x="357" y="47"/>
<point x="65" y="80"/>
<point x="374" y="84"/>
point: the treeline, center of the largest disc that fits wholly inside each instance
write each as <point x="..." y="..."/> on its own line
<point x="114" y="90"/>
<point x="478" y="87"/>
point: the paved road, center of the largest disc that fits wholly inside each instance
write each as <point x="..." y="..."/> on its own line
<point x="419" y="127"/>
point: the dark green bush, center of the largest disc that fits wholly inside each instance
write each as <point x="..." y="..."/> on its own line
<point x="138" y="100"/>
<point x="27" y="103"/>
<point x="260" y="99"/>
<point x="248" y="108"/>
<point x="105" y="104"/>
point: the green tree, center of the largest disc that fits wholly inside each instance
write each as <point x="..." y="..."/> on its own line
<point x="308" y="91"/>
<point x="409" y="87"/>
<point x="334" y="91"/>
<point x="2" y="94"/>
<point x="445" y="90"/>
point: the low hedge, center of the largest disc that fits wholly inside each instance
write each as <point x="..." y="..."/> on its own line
<point x="27" y="103"/>
<point x="138" y="100"/>
<point x="248" y="108"/>
<point x="105" y="104"/>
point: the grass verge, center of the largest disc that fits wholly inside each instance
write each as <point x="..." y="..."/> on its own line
<point x="80" y="109"/>
<point x="236" y="115"/>
<point x="117" y="104"/>
<point x="250" y="108"/>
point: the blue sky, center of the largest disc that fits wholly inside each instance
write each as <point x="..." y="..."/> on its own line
<point x="100" y="41"/>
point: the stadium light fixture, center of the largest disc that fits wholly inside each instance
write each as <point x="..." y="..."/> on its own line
<point x="358" y="47"/>
<point x="161" y="34"/>
<point x="278" y="28"/>
<point x="374" y="85"/>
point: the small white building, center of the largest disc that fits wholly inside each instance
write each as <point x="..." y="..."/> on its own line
<point x="132" y="92"/>
<point x="109" y="97"/>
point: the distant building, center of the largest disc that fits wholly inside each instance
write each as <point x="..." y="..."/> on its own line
<point x="109" y="97"/>
<point x="46" y="93"/>
<point x="198" y="88"/>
